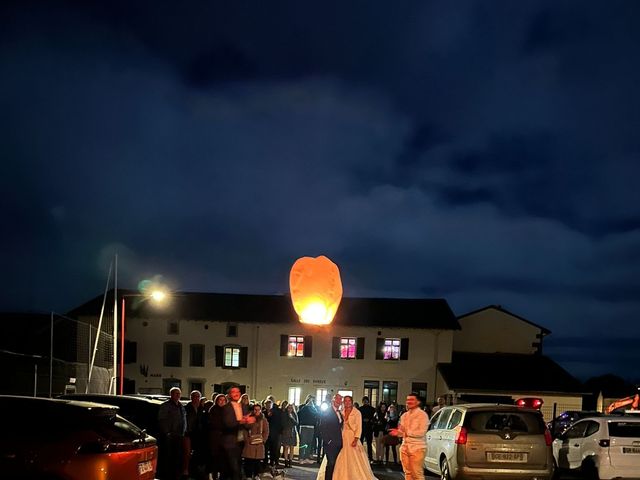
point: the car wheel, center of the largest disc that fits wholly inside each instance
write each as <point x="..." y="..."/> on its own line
<point x="445" y="474"/>
<point x="589" y="470"/>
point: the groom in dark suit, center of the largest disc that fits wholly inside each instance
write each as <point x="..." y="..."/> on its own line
<point x="331" y="431"/>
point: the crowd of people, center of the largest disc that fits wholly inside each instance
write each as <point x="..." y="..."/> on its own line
<point x="230" y="437"/>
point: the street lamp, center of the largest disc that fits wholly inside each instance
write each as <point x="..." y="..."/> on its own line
<point x="158" y="295"/>
<point x="316" y="289"/>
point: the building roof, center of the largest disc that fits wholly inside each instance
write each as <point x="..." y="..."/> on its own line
<point x="507" y="372"/>
<point x="544" y="330"/>
<point x="243" y="308"/>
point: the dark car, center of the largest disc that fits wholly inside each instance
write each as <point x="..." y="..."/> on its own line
<point x="68" y="440"/>
<point x="559" y="425"/>
<point x="143" y="412"/>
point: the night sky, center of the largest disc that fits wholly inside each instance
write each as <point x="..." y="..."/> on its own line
<point x="483" y="152"/>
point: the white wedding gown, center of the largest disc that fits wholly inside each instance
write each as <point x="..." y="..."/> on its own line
<point x="352" y="462"/>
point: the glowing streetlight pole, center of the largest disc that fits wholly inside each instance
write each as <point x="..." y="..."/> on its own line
<point x="157" y="296"/>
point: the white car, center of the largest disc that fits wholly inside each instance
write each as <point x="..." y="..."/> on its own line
<point x="601" y="447"/>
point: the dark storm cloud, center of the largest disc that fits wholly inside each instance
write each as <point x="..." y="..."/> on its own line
<point x="484" y="152"/>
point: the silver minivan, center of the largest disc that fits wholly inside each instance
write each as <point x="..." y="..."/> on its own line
<point x="489" y="441"/>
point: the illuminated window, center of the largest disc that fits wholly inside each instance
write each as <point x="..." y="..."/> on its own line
<point x="321" y="395"/>
<point x="348" y="347"/>
<point x="294" y="395"/>
<point x="296" y="347"/>
<point x="391" y="349"/>
<point x="231" y="356"/>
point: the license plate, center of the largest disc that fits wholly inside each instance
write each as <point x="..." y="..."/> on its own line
<point x="145" y="467"/>
<point x="630" y="449"/>
<point x="515" y="457"/>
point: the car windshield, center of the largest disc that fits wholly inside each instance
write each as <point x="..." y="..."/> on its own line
<point x="492" y="421"/>
<point x="624" y="429"/>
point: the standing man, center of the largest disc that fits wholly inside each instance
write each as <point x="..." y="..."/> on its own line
<point x="367" y="412"/>
<point x="331" y="431"/>
<point x="234" y="418"/>
<point x="194" y="455"/>
<point x="274" y="416"/>
<point x="412" y="428"/>
<point x="438" y="405"/>
<point x="307" y="418"/>
<point x="172" y="423"/>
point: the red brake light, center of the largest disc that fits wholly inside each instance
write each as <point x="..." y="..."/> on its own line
<point x="537" y="403"/>
<point x="461" y="438"/>
<point x="521" y="402"/>
<point x="547" y="437"/>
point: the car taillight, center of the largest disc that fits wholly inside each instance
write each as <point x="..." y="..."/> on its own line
<point x="537" y="403"/>
<point x="548" y="439"/>
<point x="604" y="442"/>
<point x="461" y="438"/>
<point x="521" y="402"/>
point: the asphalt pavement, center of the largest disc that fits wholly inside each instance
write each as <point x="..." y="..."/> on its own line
<point x="309" y="472"/>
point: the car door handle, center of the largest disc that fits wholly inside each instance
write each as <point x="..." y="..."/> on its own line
<point x="576" y="444"/>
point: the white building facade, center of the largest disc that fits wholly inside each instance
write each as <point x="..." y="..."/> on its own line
<point x="381" y="348"/>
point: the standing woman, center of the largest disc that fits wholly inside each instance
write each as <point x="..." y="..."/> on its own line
<point x="217" y="456"/>
<point x="289" y="438"/>
<point x="391" y="442"/>
<point x="379" y="426"/>
<point x="255" y="437"/>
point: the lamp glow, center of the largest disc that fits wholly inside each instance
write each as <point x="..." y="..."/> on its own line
<point x="158" y="296"/>
<point x="316" y="289"/>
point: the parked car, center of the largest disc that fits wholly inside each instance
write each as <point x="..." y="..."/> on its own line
<point x="558" y="425"/>
<point x="602" y="447"/>
<point x="62" y="439"/>
<point x="489" y="441"/>
<point x="143" y="412"/>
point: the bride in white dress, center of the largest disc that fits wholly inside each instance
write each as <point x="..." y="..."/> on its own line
<point x="352" y="462"/>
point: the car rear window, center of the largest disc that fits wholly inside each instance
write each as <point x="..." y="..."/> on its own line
<point x="494" y="421"/>
<point x="624" y="429"/>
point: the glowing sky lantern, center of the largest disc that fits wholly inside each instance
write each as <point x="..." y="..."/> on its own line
<point x="316" y="289"/>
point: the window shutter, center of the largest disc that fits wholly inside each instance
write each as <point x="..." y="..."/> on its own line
<point x="244" y="351"/>
<point x="404" y="349"/>
<point x="335" y="347"/>
<point x="360" y="348"/>
<point x="284" y="345"/>
<point x="308" y="345"/>
<point x="219" y="355"/>
<point x="379" y="348"/>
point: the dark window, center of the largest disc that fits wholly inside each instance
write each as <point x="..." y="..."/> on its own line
<point x="491" y="421"/>
<point x="172" y="354"/>
<point x="454" y="421"/>
<point x="624" y="429"/>
<point x="130" y="351"/>
<point x="173" y="328"/>
<point x="196" y="355"/>
<point x="169" y="383"/>
<point x="434" y="421"/>
<point x="592" y="428"/>
<point x="389" y="392"/>
<point x="196" y="385"/>
<point x="444" y="418"/>
<point x="421" y="389"/>
<point x="232" y="330"/>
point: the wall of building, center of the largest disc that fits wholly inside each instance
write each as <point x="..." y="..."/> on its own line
<point x="492" y="331"/>
<point x="268" y="372"/>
